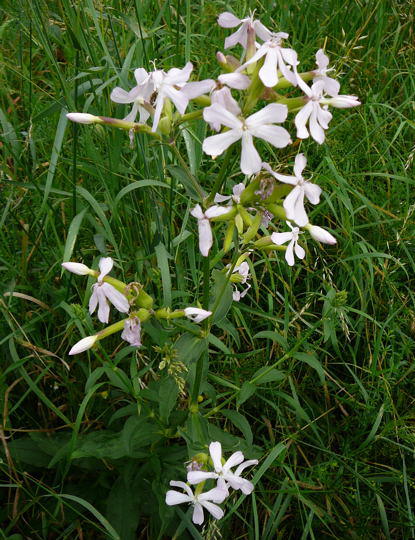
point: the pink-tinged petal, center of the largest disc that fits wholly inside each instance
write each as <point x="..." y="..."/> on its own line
<point x="290" y="56"/>
<point x="322" y="60"/>
<point x="289" y="254"/>
<point x="299" y="164"/>
<point x="294" y="206"/>
<point x="216" y="211"/>
<point x="217" y="494"/>
<point x="316" y="131"/>
<point x="83" y="345"/>
<point x="235" y="459"/>
<point x="176" y="76"/>
<point x="197" y="315"/>
<point x="221" y="198"/>
<point x="274" y="113"/>
<point x="250" y="159"/>
<point x="195" y="477"/>
<point x="117" y="299"/>
<point x="317" y="88"/>
<point x="215" y="450"/>
<point x="321" y="235"/>
<point x="312" y="192"/>
<point x="239" y="81"/>
<point x="259" y="54"/>
<point x="228" y="20"/>
<point x="240" y="36"/>
<point x="140" y="75"/>
<point x="217" y="144"/>
<point x="299" y="251"/>
<point x="205" y="236"/>
<point x="281" y="177"/>
<point x="144" y="115"/>
<point x="304" y="86"/>
<point x="281" y="238"/>
<point x="178" y="97"/>
<point x="244" y="465"/>
<point x="262" y="31"/>
<point x="131" y="116"/>
<point x="234" y="481"/>
<point x="182" y="485"/>
<point x="83" y="118"/>
<point x="224" y="98"/>
<point x="247" y="487"/>
<point x="343" y="101"/>
<point x="331" y="86"/>
<point x="236" y="295"/>
<point x="76" y="268"/>
<point x="132" y="331"/>
<point x="301" y="119"/>
<point x="275" y="135"/>
<point x="237" y="192"/>
<point x="105" y="267"/>
<point x="118" y="95"/>
<point x="103" y="306"/>
<point x="198" y="515"/>
<point x="195" y="89"/>
<point x="286" y="72"/>
<point x="93" y="301"/>
<point x="197" y="212"/>
<point x="323" y="117"/>
<point x="158" y="111"/>
<point x="174" y="497"/>
<point x="268" y="72"/>
<point x="213" y="509"/>
<point x="217" y="113"/>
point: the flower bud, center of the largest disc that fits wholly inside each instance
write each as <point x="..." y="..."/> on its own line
<point x="77" y="268"/>
<point x="83" y="118"/>
<point x="196" y="314"/>
<point x="221" y="58"/>
<point x="83" y="345"/>
<point x="320" y="234"/>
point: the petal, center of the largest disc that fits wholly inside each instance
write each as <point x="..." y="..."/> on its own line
<point x="196" y="314"/>
<point x="239" y="36"/>
<point x="105" y="267"/>
<point x="213" y="509"/>
<point x="217" y="113"/>
<point x="221" y="198"/>
<point x="117" y="299"/>
<point x="131" y="116"/>
<point x="316" y="131"/>
<point x="195" y="477"/>
<point x="321" y="59"/>
<point x="294" y="206"/>
<point x="132" y="331"/>
<point x="236" y="295"/>
<point x="228" y="20"/>
<point x="217" y="144"/>
<point x="215" y="450"/>
<point x="158" y="111"/>
<point x="323" y="117"/>
<point x="247" y="487"/>
<point x="250" y="159"/>
<point x="215" y="211"/>
<point x="234" y="481"/>
<point x="118" y="95"/>
<point x="262" y="31"/>
<point x="176" y="76"/>
<point x="93" y="301"/>
<point x="331" y="86"/>
<point x="312" y="192"/>
<point x="178" y="97"/>
<point x="103" y="306"/>
<point x="205" y="236"/>
<point x="275" y="135"/>
<point x="321" y="235"/>
<point x="174" y="497"/>
<point x="183" y="485"/>
<point x="244" y="465"/>
<point x="197" y="212"/>
<point x="197" y="88"/>
<point x="235" y="459"/>
<point x="281" y="238"/>
<point x="289" y="255"/>
<point x="198" y="516"/>
<point x="289" y="55"/>
<point x="299" y="251"/>
<point x="281" y="177"/>
<point x="144" y="115"/>
<point x="140" y="75"/>
<point x="259" y="54"/>
<point x="239" y="81"/>
<point x="299" y="164"/>
<point x="223" y="97"/>
<point x="268" y="72"/>
<point x="217" y="494"/>
<point x="301" y="119"/>
<point x="271" y="114"/>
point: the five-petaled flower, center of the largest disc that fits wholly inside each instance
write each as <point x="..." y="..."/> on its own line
<point x="331" y="86"/>
<point x="203" y="223"/>
<point x="294" y="201"/>
<point x="293" y="246"/>
<point x="247" y="26"/>
<point x="200" y="501"/>
<point x="140" y="96"/>
<point x="103" y="292"/>
<point x="259" y="124"/>
<point x="132" y="331"/>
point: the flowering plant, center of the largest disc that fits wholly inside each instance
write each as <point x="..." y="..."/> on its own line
<point x="266" y="213"/>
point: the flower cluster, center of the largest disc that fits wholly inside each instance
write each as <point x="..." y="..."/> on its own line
<point x="225" y="478"/>
<point x="131" y="299"/>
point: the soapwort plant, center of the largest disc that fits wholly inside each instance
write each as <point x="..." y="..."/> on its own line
<point x="263" y="97"/>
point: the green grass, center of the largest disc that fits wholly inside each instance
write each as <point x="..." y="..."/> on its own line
<point x="334" y="427"/>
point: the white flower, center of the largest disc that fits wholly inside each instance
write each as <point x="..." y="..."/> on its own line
<point x="331" y="86"/>
<point x="294" y="201"/>
<point x="203" y="223"/>
<point x="197" y="315"/>
<point x="321" y="235"/>
<point x="223" y="473"/>
<point x="77" y="268"/>
<point x="219" y="91"/>
<point x="227" y="20"/>
<point x="139" y="95"/>
<point x="318" y="117"/>
<point x="276" y="58"/>
<point x="103" y="292"/>
<point x="243" y="271"/>
<point x="132" y="331"/>
<point x="203" y="500"/>
<point x="258" y="124"/>
<point x="83" y="118"/>
<point x="166" y="85"/>
<point x="292" y="238"/>
<point x="236" y="195"/>
<point x="83" y="345"/>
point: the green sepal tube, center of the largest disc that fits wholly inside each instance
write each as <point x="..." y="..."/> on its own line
<point x="253" y="229"/>
<point x="245" y="215"/>
<point x="228" y="236"/>
<point x="248" y="194"/>
<point x="144" y="300"/>
<point x="239" y="222"/>
<point x="284" y="83"/>
<point x="226" y="217"/>
<point x="142" y="314"/>
<point x="293" y="103"/>
<point x="255" y="90"/>
<point x="277" y="210"/>
<point x="116" y="283"/>
<point x="279" y="191"/>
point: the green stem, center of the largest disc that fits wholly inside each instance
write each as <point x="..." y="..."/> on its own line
<point x="219" y="179"/>
<point x="195" y="183"/>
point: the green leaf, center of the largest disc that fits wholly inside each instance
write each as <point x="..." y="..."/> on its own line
<point x="163" y="264"/>
<point x="168" y="393"/>
<point x="123" y="509"/>
<point x="268" y="375"/>
<point x="248" y="389"/>
<point x="313" y="362"/>
<point x="221" y="299"/>
<point x="240" y="422"/>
